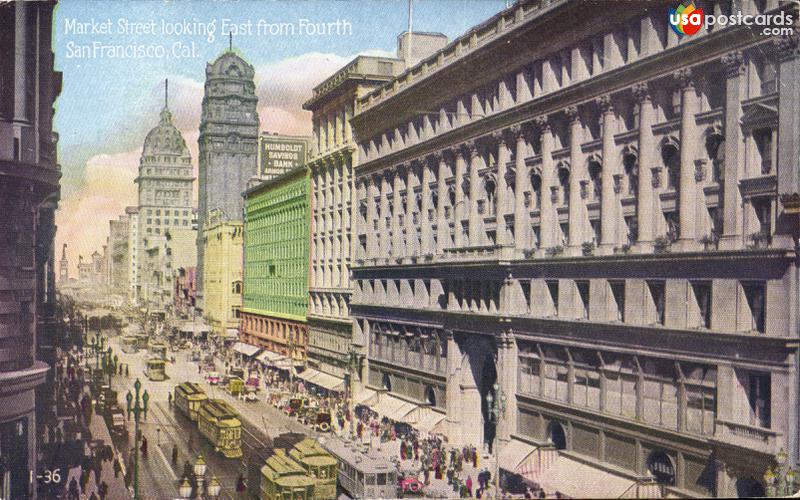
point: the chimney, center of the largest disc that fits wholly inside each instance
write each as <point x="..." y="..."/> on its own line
<point x="412" y="47"/>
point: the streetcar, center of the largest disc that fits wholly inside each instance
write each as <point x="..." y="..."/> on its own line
<point x="142" y="340"/>
<point x="156" y="369"/>
<point x="130" y="344"/>
<point x="284" y="479"/>
<point x="188" y="399"/>
<point x="158" y="350"/>
<point x="220" y="424"/>
<point x="363" y="475"/>
<point x="319" y="464"/>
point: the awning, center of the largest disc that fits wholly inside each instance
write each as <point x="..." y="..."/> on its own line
<point x="322" y="379"/>
<point x="364" y="396"/>
<point x="246" y="349"/>
<point x="269" y="357"/>
<point x="393" y="408"/>
<point x="425" y="419"/>
<point x="514" y="456"/>
<point x="232" y="333"/>
<point x="579" y="480"/>
<point x="195" y="328"/>
<point x="285" y="363"/>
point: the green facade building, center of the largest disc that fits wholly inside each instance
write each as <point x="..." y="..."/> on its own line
<point x="276" y="250"/>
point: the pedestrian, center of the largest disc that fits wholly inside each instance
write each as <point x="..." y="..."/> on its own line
<point x="469" y="485"/>
<point x="102" y="490"/>
<point x="143" y="447"/>
<point x="174" y="455"/>
<point x="169" y="399"/>
<point x="74" y="490"/>
<point x="127" y="373"/>
<point x="117" y="468"/>
<point x="240" y="486"/>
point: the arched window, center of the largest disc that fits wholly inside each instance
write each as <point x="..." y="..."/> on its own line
<point x="491" y="194"/>
<point x="660" y="466"/>
<point x="672" y="163"/>
<point x="536" y="191"/>
<point x="715" y="147"/>
<point x="430" y="395"/>
<point x="557" y="436"/>
<point x="596" y="177"/>
<point x="630" y="162"/>
<point x="563" y="181"/>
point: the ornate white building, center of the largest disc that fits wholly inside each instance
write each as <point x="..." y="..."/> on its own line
<point x="600" y="219"/>
<point x="165" y="203"/>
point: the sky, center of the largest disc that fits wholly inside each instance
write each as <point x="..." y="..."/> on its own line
<point x="111" y="99"/>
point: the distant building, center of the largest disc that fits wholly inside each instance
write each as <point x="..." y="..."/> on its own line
<point x="223" y="259"/>
<point x="134" y="287"/>
<point x="228" y="149"/>
<point x="118" y="257"/>
<point x="184" y="295"/>
<point x="98" y="268"/>
<point x="276" y="247"/>
<point x="85" y="272"/>
<point x="63" y="267"/>
<point x="29" y="195"/>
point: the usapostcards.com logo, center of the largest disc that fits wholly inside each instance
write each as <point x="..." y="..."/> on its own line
<point x="687" y="19"/>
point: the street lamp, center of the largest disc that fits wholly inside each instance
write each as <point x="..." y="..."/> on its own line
<point x="497" y="408"/>
<point x="214" y="488"/>
<point x="138" y="408"/>
<point x="110" y="364"/>
<point x="352" y="366"/>
<point x="185" y="489"/>
<point x="200" y="472"/>
<point x="780" y="480"/>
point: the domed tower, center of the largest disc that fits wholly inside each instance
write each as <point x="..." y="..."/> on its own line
<point x="228" y="146"/>
<point x="164" y="181"/>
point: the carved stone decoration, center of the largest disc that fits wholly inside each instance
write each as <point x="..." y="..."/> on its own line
<point x="604" y="103"/>
<point x="733" y="63"/>
<point x="584" y="189"/>
<point x="684" y="78"/>
<point x="572" y="113"/>
<point x="641" y="91"/>
<point x="554" y="193"/>
<point x="542" y="124"/>
<point x="617" y="183"/>
<point x="700" y="170"/>
<point x="470" y="149"/>
<point x="436" y="157"/>
<point x="656" y="176"/>
<point x="517" y="131"/>
<point x="527" y="201"/>
<point x="787" y="47"/>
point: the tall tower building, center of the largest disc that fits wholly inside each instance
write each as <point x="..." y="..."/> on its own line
<point x="228" y="146"/>
<point x="165" y="193"/>
<point x="63" y="266"/>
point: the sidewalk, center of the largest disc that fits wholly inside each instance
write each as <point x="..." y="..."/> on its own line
<point x="116" y="486"/>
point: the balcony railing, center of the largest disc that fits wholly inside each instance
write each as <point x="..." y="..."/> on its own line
<point x="748" y="436"/>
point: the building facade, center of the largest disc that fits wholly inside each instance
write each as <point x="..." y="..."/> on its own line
<point x="165" y="206"/>
<point x="63" y="267"/>
<point x="29" y="193"/>
<point x="223" y="242"/>
<point x="134" y="287"/>
<point x="603" y="225"/>
<point x="118" y="258"/>
<point x="184" y="295"/>
<point x="332" y="186"/>
<point x="228" y="148"/>
<point x="276" y="234"/>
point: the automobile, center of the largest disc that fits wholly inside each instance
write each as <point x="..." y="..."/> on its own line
<point x="248" y="396"/>
<point x="212" y="378"/>
<point x="321" y="420"/>
<point x="294" y="406"/>
<point x="115" y="419"/>
<point x="411" y="485"/>
<point x="237" y="372"/>
<point x="252" y="383"/>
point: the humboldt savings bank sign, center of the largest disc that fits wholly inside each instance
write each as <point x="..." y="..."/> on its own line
<point x="281" y="154"/>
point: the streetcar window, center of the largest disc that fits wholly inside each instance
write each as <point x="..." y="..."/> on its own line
<point x="381" y="479"/>
<point x="370" y="480"/>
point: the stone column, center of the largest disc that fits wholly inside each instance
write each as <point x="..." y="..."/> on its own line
<point x="576" y="219"/>
<point x="788" y="140"/>
<point x="458" y="210"/>
<point x="371" y="232"/>
<point x="507" y="358"/>
<point x="474" y="188"/>
<point x="452" y="389"/>
<point x="520" y="184"/>
<point x="424" y="218"/>
<point x="647" y="158"/>
<point x="548" y="219"/>
<point x="382" y="227"/>
<point x="411" y="203"/>
<point x="608" y="202"/>
<point x="502" y="188"/>
<point x="397" y="209"/>
<point x="442" y="224"/>
<point x="735" y="86"/>
<point x="687" y="196"/>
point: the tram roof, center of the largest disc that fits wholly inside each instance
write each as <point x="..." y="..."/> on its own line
<point x="309" y="451"/>
<point x="220" y="410"/>
<point x="190" y="388"/>
<point x="360" y="460"/>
